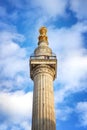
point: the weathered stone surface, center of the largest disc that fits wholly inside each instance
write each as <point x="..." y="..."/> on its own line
<point x="43" y="72"/>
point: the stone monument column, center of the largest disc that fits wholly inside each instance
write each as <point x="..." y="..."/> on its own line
<point x="43" y="72"/>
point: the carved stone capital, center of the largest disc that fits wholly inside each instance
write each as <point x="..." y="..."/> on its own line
<point x="43" y="69"/>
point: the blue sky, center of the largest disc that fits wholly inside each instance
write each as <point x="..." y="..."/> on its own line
<point x="66" y="21"/>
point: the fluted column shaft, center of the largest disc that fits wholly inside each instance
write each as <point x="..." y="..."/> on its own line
<point x="43" y="99"/>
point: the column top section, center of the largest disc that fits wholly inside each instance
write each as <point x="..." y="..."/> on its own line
<point x="43" y="54"/>
<point x="43" y="37"/>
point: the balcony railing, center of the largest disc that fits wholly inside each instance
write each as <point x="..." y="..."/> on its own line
<point x="43" y="57"/>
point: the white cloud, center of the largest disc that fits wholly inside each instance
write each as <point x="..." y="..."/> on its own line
<point x="13" y="60"/>
<point x="26" y="125"/>
<point x="68" y="44"/>
<point x="16" y="126"/>
<point x="81" y="109"/>
<point x="52" y="7"/>
<point x="63" y="113"/>
<point x="17" y="106"/>
<point x="3" y="126"/>
<point x="16" y="109"/>
<point x="12" y="16"/>
<point x="45" y="8"/>
<point x="80" y="8"/>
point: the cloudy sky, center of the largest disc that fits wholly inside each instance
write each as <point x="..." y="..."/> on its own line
<point x="66" y="21"/>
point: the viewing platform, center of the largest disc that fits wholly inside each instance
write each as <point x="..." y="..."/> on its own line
<point x="43" y="57"/>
